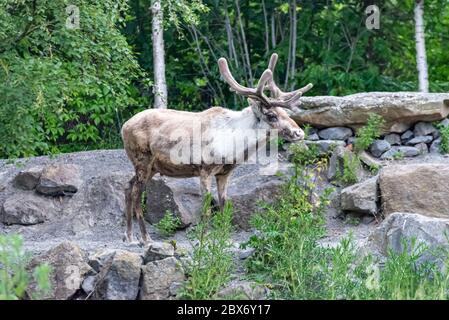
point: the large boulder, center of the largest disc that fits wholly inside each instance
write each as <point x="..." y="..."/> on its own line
<point x="399" y="109"/>
<point x="119" y="278"/>
<point x="68" y="268"/>
<point x="158" y="276"/>
<point x="361" y="197"/>
<point x="399" y="229"/>
<point x="59" y="180"/>
<point x="27" y="209"/>
<point x="420" y="188"/>
<point x="28" y="179"/>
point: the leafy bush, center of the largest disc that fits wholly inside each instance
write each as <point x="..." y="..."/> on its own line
<point x="291" y="261"/>
<point x="366" y="135"/>
<point x="351" y="166"/>
<point x="168" y="225"/>
<point x="211" y="264"/>
<point x="64" y="89"/>
<point x="14" y="276"/>
<point x="444" y="133"/>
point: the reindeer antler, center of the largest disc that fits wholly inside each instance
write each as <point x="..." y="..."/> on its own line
<point x="257" y="93"/>
<point x="290" y="98"/>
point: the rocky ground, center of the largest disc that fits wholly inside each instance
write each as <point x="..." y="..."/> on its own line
<point x="69" y="208"/>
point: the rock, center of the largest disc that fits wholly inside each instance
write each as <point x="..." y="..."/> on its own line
<point x="119" y="280"/>
<point x="68" y="268"/>
<point x="158" y="276"/>
<point x="88" y="284"/>
<point x="399" y="127"/>
<point x="435" y="146"/>
<point x="361" y="197"/>
<point x="28" y="179"/>
<point x="59" y="180"/>
<point x="418" y="188"/>
<point x="158" y="251"/>
<point x="101" y="258"/>
<point x="423" y="129"/>
<point x="419" y="139"/>
<point x="406" y="136"/>
<point x="369" y="160"/>
<point x="399" y="227"/>
<point x="399" y="109"/>
<point x="445" y="122"/>
<point x="422" y="147"/>
<point x="246" y="253"/>
<point x="326" y="146"/>
<point x="335" y="133"/>
<point x="27" y="209"/>
<point x="379" y="147"/>
<point x="313" y="137"/>
<point x="400" y="151"/>
<point x="393" y="139"/>
<point x="243" y="289"/>
<point x="174" y="288"/>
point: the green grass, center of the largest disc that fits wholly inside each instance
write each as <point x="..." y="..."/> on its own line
<point x="168" y="225"/>
<point x="15" y="278"/>
<point x="366" y="135"/>
<point x="211" y="263"/>
<point x="289" y="259"/>
<point x="351" y="166"/>
<point x="444" y="133"/>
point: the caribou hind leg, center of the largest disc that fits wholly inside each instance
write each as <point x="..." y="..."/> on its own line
<point x="129" y="210"/>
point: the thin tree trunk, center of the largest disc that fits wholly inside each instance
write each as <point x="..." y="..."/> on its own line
<point x="231" y="46"/>
<point x="287" y="73"/>
<point x="160" y="85"/>
<point x="421" y="59"/>
<point x="294" y="35"/>
<point x="245" y="44"/>
<point x="273" y="31"/>
<point x="267" y="30"/>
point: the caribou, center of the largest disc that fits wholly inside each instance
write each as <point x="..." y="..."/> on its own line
<point x="151" y="147"/>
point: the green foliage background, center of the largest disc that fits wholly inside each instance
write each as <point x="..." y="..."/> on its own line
<point x="65" y="90"/>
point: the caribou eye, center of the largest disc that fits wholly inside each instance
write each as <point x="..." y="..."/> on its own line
<point x="272" y="117"/>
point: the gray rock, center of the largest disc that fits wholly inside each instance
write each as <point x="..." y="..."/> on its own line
<point x="158" y="276"/>
<point x="335" y="133"/>
<point x="369" y="160"/>
<point x="28" y="179"/>
<point x="158" y="251"/>
<point x="423" y="129"/>
<point x="119" y="280"/>
<point x="68" y="270"/>
<point x="435" y="146"/>
<point x="174" y="288"/>
<point x="351" y="140"/>
<point x="399" y="228"/>
<point x="101" y="258"/>
<point x="313" y="137"/>
<point x="379" y="147"/>
<point x="423" y="148"/>
<point x="88" y="284"/>
<point x="361" y="197"/>
<point x="415" y="187"/>
<point x="445" y="122"/>
<point x="406" y="136"/>
<point x="59" y="180"/>
<point x="399" y="109"/>
<point x="402" y="150"/>
<point x="393" y="139"/>
<point x="27" y="209"/>
<point x="246" y="253"/>
<point x="419" y="139"/>
<point x="243" y="289"/>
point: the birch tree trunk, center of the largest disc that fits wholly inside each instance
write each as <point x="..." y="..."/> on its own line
<point x="267" y="32"/>
<point x="160" y="85"/>
<point x="421" y="59"/>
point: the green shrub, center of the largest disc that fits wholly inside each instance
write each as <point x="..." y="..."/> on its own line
<point x="444" y="133"/>
<point x="351" y="166"/>
<point x="168" y="225"/>
<point x="291" y="261"/>
<point x="14" y="276"/>
<point x="211" y="260"/>
<point x="366" y="135"/>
